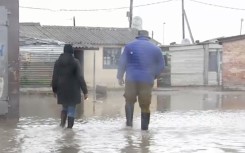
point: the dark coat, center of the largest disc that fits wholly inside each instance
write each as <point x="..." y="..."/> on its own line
<point x="68" y="80"/>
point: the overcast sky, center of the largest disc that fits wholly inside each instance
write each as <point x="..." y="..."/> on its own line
<point x="208" y="18"/>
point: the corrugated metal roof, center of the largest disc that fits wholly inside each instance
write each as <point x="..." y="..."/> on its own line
<point x="78" y="36"/>
<point x="232" y="38"/>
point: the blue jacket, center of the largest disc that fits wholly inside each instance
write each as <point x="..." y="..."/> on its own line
<point x="141" y="60"/>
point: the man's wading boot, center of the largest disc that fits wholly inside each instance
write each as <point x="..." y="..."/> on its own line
<point x="129" y="111"/>
<point x="70" y="122"/>
<point x="63" y="117"/>
<point x="145" y="120"/>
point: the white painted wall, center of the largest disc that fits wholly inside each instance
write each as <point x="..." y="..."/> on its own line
<point x="105" y="77"/>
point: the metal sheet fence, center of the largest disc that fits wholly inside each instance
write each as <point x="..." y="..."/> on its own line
<point x="36" y="74"/>
<point x="36" y="67"/>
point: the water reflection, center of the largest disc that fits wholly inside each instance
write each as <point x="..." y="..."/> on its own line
<point x="180" y="122"/>
<point x="136" y="141"/>
<point x="68" y="143"/>
<point x="8" y="133"/>
<point x="163" y="103"/>
<point x="190" y="101"/>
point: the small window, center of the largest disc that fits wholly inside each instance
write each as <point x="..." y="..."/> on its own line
<point x="111" y="57"/>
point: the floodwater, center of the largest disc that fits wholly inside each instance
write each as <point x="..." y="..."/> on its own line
<point x="186" y="121"/>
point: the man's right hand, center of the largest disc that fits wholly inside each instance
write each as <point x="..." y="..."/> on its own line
<point x="85" y="96"/>
<point x="121" y="82"/>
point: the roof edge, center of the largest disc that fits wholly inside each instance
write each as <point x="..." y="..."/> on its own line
<point x="232" y="38"/>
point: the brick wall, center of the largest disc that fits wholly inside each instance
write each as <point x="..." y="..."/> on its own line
<point x="234" y="65"/>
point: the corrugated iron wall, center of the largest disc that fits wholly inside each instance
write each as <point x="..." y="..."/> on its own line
<point x="36" y="66"/>
<point x="192" y="65"/>
<point x="187" y="65"/>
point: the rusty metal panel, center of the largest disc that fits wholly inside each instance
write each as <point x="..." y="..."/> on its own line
<point x="36" y="66"/>
<point x="3" y="61"/>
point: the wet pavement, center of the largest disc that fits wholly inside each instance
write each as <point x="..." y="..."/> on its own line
<point x="182" y="121"/>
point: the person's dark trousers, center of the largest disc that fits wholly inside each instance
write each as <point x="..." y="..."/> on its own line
<point x="63" y="117"/>
<point x="70" y="122"/>
<point x="145" y="120"/>
<point x="129" y="111"/>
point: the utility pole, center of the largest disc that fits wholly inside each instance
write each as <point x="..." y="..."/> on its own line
<point x="241" y="26"/>
<point x="163" y="33"/>
<point x="74" y="21"/>
<point x="130" y="15"/>
<point x="11" y="48"/>
<point x="189" y="28"/>
<point x="183" y="19"/>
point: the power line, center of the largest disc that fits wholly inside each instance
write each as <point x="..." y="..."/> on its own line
<point x="36" y="8"/>
<point x="91" y="10"/>
<point x="154" y="3"/>
<point x="226" y="7"/>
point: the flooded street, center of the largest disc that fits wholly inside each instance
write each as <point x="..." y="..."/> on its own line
<point x="186" y="121"/>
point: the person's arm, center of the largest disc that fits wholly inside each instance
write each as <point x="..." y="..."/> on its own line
<point x="55" y="78"/>
<point x="81" y="79"/>
<point x="122" y="67"/>
<point x="160" y="63"/>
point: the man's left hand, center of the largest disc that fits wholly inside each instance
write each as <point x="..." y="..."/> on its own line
<point x="121" y="82"/>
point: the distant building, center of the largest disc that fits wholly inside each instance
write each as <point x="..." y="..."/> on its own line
<point x="192" y="65"/>
<point x="40" y="46"/>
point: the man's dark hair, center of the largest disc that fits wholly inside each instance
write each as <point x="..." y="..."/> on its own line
<point x="143" y="33"/>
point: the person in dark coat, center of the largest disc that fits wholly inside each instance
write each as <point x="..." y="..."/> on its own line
<point x="142" y="61"/>
<point x="67" y="83"/>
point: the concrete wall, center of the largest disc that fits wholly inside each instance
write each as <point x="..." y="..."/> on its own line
<point x="3" y="61"/>
<point x="105" y="77"/>
<point x="234" y="65"/>
<point x="13" y="56"/>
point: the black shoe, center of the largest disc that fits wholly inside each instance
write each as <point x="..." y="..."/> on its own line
<point x="63" y="117"/>
<point x="70" y="122"/>
<point x="129" y="111"/>
<point x="145" y="120"/>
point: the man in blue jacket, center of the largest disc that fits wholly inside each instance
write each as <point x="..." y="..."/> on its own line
<point x="142" y="61"/>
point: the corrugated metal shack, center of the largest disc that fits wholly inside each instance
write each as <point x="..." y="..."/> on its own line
<point x="36" y="66"/>
<point x="193" y="65"/>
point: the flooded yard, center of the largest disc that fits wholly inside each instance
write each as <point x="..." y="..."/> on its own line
<point x="181" y="122"/>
